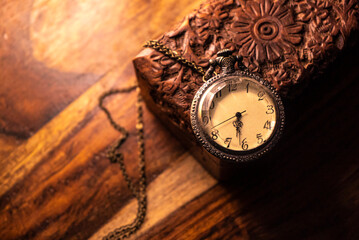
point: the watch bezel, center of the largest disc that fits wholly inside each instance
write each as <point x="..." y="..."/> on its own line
<point x="221" y="152"/>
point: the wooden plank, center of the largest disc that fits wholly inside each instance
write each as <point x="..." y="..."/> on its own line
<point x="32" y="91"/>
<point x="29" y="154"/>
<point x="169" y="189"/>
<point x="8" y="144"/>
<point x="64" y="168"/>
<point x="60" y="160"/>
<point x="49" y="55"/>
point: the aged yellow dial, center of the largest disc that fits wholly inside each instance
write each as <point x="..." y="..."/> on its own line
<point x="237" y="115"/>
<point x="241" y="116"/>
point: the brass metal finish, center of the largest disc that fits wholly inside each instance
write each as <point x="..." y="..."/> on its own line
<point x="226" y="61"/>
<point x="215" y="149"/>
<point x="174" y="55"/>
<point x="116" y="157"/>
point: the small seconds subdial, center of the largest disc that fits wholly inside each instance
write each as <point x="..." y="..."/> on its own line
<point x="239" y="114"/>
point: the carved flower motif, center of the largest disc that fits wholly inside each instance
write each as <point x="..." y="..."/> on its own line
<point x="319" y="49"/>
<point x="317" y="12"/>
<point x="321" y="26"/>
<point x="209" y="20"/>
<point x="313" y="9"/>
<point x="174" y="72"/>
<point x="265" y="30"/>
<point x="284" y="75"/>
<point x="279" y="77"/>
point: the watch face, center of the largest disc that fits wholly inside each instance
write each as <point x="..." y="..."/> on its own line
<point x="237" y="116"/>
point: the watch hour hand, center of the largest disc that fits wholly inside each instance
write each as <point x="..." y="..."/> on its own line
<point x="238" y="123"/>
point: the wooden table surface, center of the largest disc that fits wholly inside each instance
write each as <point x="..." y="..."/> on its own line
<point x="58" y="56"/>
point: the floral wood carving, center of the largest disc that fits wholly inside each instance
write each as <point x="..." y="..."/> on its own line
<point x="287" y="41"/>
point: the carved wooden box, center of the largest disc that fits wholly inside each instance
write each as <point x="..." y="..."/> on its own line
<point x="288" y="42"/>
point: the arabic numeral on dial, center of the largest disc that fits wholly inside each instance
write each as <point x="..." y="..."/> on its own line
<point x="259" y="138"/>
<point x="228" y="142"/>
<point x="219" y="94"/>
<point x="214" y="134"/>
<point x="244" y="144"/>
<point x="205" y="120"/>
<point x="261" y="95"/>
<point x="270" y="109"/>
<point x="267" y="125"/>
<point x="212" y="105"/>
<point x="247" y="87"/>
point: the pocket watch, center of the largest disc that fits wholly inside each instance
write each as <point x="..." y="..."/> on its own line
<point x="236" y="115"/>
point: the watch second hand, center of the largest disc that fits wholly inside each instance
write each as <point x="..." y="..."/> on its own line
<point x="229" y="119"/>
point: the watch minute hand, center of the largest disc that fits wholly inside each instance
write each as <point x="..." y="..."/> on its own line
<point x="238" y="115"/>
<point x="224" y="121"/>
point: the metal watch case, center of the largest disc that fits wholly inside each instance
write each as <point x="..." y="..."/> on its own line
<point x="231" y="155"/>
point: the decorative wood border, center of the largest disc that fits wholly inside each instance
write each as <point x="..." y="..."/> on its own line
<point x="288" y="42"/>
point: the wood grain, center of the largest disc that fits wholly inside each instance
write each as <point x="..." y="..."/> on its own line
<point x="41" y="164"/>
<point x="56" y="183"/>
<point x="168" y="187"/>
<point x="49" y="54"/>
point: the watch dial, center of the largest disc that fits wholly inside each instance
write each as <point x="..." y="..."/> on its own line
<point x="238" y="113"/>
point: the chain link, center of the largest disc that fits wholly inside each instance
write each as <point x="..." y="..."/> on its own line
<point x="174" y="55"/>
<point x="116" y="157"/>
